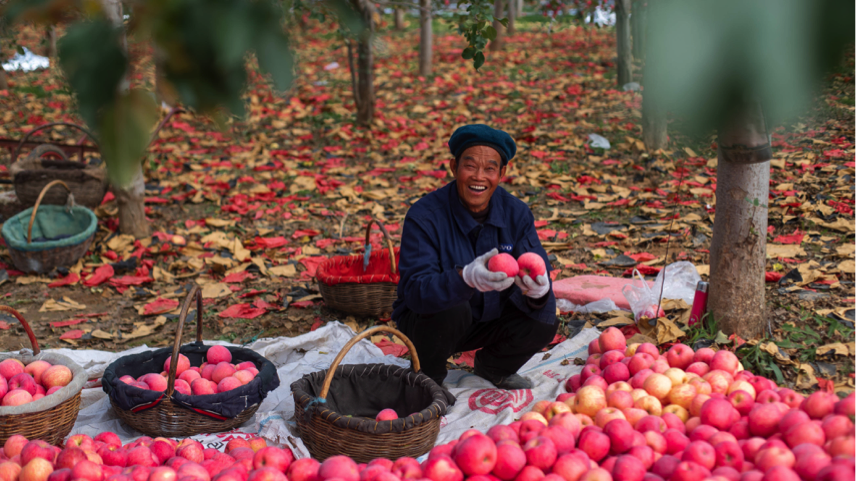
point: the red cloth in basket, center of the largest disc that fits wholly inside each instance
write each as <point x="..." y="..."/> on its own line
<point x="349" y="269"/>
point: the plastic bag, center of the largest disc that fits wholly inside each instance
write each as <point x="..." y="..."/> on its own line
<point x="598" y="141"/>
<point x="681" y="279"/>
<point x="600" y="306"/>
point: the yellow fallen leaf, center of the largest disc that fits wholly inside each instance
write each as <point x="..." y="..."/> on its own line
<point x="835" y="348"/>
<point x="216" y="290"/>
<point x="784" y="251"/>
<point x="102" y="335"/>
<point x="64" y="305"/>
<point x="28" y="280"/>
<point x="285" y="271"/>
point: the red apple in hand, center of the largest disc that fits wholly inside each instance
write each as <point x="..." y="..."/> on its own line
<point x="531" y="264"/>
<point x="504" y="263"/>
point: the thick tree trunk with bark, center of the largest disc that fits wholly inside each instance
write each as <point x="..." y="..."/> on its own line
<point x="739" y="245"/>
<point x="131" y="199"/>
<point x="497" y="43"/>
<point x="654" y="133"/>
<point x="399" y="18"/>
<point x="622" y="34"/>
<point x="426" y="38"/>
<point x="512" y="16"/>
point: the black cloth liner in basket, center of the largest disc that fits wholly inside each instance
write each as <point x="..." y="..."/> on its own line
<point x="362" y="391"/>
<point x="220" y="405"/>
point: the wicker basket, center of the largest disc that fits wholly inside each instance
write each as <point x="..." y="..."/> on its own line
<point x="87" y="183"/>
<point x="52" y="417"/>
<point x="40" y="257"/>
<point x="367" y="295"/>
<point x="167" y="418"/>
<point x="327" y="433"/>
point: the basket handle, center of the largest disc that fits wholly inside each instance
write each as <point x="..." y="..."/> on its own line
<point x="389" y="244"/>
<point x="365" y="334"/>
<point x="39" y="201"/>
<point x="11" y="311"/>
<point x="86" y="133"/>
<point x="182" y="316"/>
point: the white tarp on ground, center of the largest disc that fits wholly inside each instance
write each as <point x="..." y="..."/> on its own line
<point x="479" y="405"/>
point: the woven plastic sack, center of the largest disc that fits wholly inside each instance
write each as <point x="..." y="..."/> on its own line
<point x="45" y="403"/>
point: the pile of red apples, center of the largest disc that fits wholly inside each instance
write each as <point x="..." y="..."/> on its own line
<point x="106" y="458"/>
<point x="21" y="384"/>
<point x="216" y="375"/>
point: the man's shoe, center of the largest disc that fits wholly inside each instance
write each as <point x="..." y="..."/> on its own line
<point x="510" y="382"/>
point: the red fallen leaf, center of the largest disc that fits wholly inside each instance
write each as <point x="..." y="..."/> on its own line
<point x="251" y="293"/>
<point x="59" y="324"/>
<point x="238" y="277"/>
<point x="269" y="243"/>
<point x="541" y="224"/>
<point x="316" y="325"/>
<point x="129" y="280"/>
<point x="4" y="325"/>
<point x="108" y="197"/>
<point x="311" y="263"/>
<point x="467" y="358"/>
<point x="640" y="257"/>
<point x="772" y="277"/>
<point x="604" y="244"/>
<point x="323" y="243"/>
<point x="71" y="279"/>
<point x="580" y="266"/>
<point x="71" y="335"/>
<point x="421" y="146"/>
<point x="737" y="340"/>
<point x="558" y="197"/>
<point x="101" y="274"/>
<point x="242" y="310"/>
<point x="305" y="232"/>
<point x="795" y="238"/>
<point x="558" y="339"/>
<point x="160" y="305"/>
<point x="826" y="385"/>
<point x="391" y="348"/>
<point x="302" y="304"/>
<point x="260" y="303"/>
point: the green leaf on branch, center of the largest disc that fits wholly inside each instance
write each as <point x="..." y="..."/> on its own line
<point x="124" y="127"/>
<point x="468" y="53"/>
<point x="478" y="60"/>
<point x="490" y="33"/>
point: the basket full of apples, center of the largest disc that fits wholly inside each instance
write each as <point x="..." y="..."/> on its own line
<point x="189" y="389"/>
<point x="370" y="410"/>
<point x="39" y="393"/>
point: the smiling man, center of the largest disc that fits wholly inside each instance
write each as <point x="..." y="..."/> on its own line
<point x="448" y="301"/>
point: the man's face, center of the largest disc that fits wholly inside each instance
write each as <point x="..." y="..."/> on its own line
<point x="478" y="173"/>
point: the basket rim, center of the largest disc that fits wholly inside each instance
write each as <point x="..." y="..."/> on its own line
<point x="13" y="243"/>
<point x="335" y="280"/>
<point x="441" y="400"/>
<point x="66" y="393"/>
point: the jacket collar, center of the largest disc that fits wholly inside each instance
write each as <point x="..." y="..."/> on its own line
<point x="465" y="220"/>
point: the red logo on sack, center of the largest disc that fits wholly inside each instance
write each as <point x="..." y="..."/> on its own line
<point x="493" y="401"/>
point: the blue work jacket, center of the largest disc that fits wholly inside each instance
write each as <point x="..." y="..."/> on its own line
<point x="440" y="235"/>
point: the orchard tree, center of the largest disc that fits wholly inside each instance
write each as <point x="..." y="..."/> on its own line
<point x="740" y="68"/>
<point x="202" y="49"/>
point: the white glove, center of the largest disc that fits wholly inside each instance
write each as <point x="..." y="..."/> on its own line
<point x="533" y="289"/>
<point x="476" y="275"/>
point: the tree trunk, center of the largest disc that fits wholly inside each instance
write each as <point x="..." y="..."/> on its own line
<point x="622" y="34"/>
<point x="512" y="16"/>
<point x="497" y="43"/>
<point x="739" y="245"/>
<point x="519" y="10"/>
<point x="4" y="84"/>
<point x="364" y="95"/>
<point x="426" y="38"/>
<point x="132" y="196"/>
<point x="639" y="21"/>
<point x="131" y="200"/>
<point x="50" y="42"/>
<point x="654" y="133"/>
<point x="399" y="18"/>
